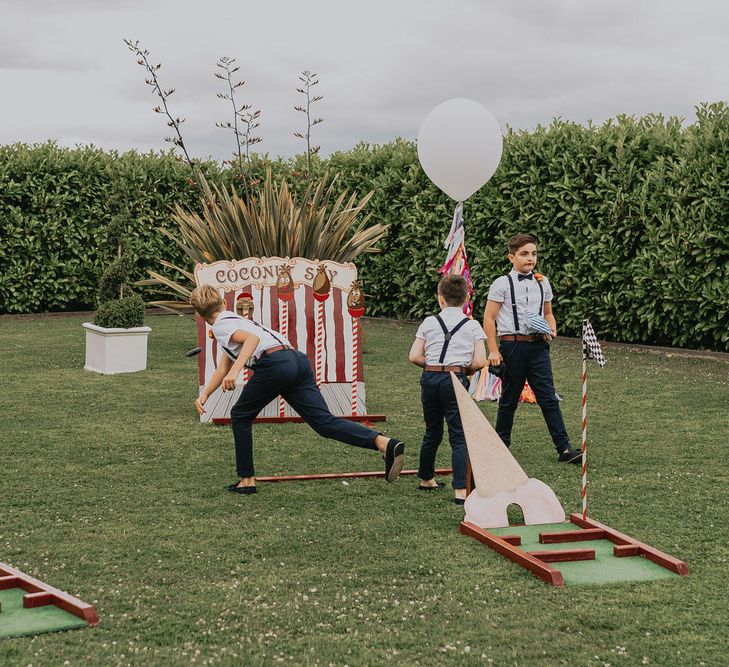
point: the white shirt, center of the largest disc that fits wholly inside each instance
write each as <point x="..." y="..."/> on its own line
<point x="528" y="298"/>
<point x="460" y="349"/>
<point x="227" y="323"/>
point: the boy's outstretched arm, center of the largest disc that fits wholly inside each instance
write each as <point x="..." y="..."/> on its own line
<point x="479" y="357"/>
<point x="489" y="326"/>
<point x="215" y="380"/>
<point x="249" y="342"/>
<point x="417" y="353"/>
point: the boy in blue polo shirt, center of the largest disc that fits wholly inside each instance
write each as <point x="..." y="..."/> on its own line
<point x="513" y="301"/>
<point x="449" y="341"/>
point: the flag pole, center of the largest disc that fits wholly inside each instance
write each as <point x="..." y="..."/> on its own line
<point x="584" y="423"/>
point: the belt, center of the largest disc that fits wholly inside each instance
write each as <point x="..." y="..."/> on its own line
<point x="277" y="348"/>
<point x="446" y="369"/>
<point x="531" y="338"/>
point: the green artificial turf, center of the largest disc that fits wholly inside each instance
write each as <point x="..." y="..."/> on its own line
<point x="604" y="569"/>
<point x="112" y="490"/>
<point x="16" y="621"/>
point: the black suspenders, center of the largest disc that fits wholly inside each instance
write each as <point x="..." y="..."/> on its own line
<point x="268" y="331"/>
<point x="448" y="335"/>
<point x="513" y="300"/>
<point x="513" y="303"/>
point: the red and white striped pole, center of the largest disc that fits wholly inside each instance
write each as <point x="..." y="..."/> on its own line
<point x="285" y="334"/>
<point x="319" y="343"/>
<point x="584" y="427"/>
<point x="355" y="362"/>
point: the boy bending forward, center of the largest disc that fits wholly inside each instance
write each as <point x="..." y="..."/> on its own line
<point x="278" y="369"/>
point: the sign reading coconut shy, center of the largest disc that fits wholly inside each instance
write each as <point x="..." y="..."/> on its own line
<point x="264" y="271"/>
<point x="315" y="304"/>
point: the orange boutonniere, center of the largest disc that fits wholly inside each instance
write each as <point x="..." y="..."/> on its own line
<point x="539" y="277"/>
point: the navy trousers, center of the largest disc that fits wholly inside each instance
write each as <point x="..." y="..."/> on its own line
<point x="529" y="361"/>
<point x="288" y="373"/>
<point x="439" y="402"/>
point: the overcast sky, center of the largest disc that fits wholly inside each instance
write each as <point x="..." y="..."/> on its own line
<point x="65" y="73"/>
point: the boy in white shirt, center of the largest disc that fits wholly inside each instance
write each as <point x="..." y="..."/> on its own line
<point x="513" y="301"/>
<point x="449" y="341"/>
<point x="278" y="369"/>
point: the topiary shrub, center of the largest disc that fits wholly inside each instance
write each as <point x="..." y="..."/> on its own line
<point x="117" y="306"/>
<point x="123" y="313"/>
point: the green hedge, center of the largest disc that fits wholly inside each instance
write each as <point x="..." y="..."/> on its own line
<point x="632" y="218"/>
<point x="53" y="219"/>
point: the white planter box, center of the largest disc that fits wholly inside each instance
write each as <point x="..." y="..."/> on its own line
<point x="111" y="351"/>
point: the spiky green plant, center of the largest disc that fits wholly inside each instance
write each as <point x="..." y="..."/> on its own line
<point x="273" y="222"/>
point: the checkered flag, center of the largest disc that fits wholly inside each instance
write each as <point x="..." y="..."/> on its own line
<point x="590" y="346"/>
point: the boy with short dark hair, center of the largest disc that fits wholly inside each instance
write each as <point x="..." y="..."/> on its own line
<point x="449" y="341"/>
<point x="278" y="369"/>
<point x="515" y="301"/>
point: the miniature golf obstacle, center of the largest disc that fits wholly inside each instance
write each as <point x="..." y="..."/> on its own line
<point x="30" y="606"/>
<point x="309" y="299"/>
<point x="499" y="479"/>
<point x="596" y="552"/>
<point x="588" y="552"/>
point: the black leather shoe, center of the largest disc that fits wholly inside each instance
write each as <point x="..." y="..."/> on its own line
<point x="440" y="485"/>
<point x="570" y="456"/>
<point x="394" y="459"/>
<point x="243" y="490"/>
<point x="459" y="501"/>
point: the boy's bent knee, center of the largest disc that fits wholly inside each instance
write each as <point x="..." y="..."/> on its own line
<point x="241" y="416"/>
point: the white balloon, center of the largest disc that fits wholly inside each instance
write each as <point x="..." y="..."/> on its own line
<point x="459" y="147"/>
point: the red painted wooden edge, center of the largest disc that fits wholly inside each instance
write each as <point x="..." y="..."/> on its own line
<point x="41" y="593"/>
<point x="39" y="599"/>
<point x="616" y="537"/>
<point x="514" y="540"/>
<point x="299" y="420"/>
<point x="342" y="475"/>
<point x="528" y="562"/>
<point x="625" y="550"/>
<point x="581" y="535"/>
<point x="563" y="555"/>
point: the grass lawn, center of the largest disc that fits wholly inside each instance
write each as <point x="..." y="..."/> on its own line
<point x="112" y="490"/>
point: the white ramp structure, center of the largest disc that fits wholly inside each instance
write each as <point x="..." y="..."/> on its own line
<point x="499" y="480"/>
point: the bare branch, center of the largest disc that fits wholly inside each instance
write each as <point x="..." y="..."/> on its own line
<point x="153" y="81"/>
<point x="309" y="80"/>
<point x="242" y="138"/>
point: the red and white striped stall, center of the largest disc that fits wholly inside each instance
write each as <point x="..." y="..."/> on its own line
<point x="323" y="328"/>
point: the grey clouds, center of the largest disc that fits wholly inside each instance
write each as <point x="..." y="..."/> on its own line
<point x="65" y="73"/>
